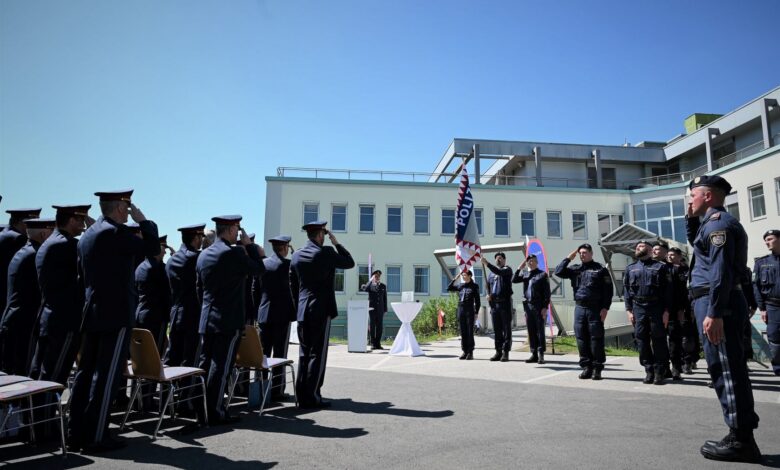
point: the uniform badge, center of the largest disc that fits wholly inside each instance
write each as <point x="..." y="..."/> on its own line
<point x="718" y="238"/>
<point x="696" y="181"/>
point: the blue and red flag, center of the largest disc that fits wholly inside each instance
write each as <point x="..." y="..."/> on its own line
<point x="467" y="248"/>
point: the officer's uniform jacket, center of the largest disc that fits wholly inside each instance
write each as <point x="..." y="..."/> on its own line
<point x="468" y="296"/>
<point x="590" y="282"/>
<point x="648" y="283"/>
<point x="766" y="281"/>
<point x="536" y="287"/>
<point x="154" y="293"/>
<point x="181" y="270"/>
<point x="377" y="296"/>
<point x="107" y="254"/>
<point x="11" y="241"/>
<point x="680" y="290"/>
<point x="276" y="301"/>
<point x="62" y="294"/>
<point x="312" y="274"/>
<point x="500" y="282"/>
<point x="24" y="296"/>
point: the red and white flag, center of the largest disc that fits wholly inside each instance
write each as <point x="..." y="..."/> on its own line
<point x="467" y="248"/>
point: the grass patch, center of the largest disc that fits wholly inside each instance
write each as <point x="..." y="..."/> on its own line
<point x="568" y="344"/>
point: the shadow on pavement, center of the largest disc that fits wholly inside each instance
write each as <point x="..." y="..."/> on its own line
<point x="771" y="461"/>
<point x="347" y="404"/>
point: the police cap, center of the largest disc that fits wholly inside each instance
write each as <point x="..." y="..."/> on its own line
<point x="227" y="219"/>
<point x="661" y="243"/>
<point x="713" y="181"/>
<point x="676" y="250"/>
<point x="315" y="225"/>
<point x="644" y="242"/>
<point x="376" y="271"/>
<point x="773" y="231"/>
<point x="280" y="240"/>
<point x="80" y="210"/>
<point x="586" y="246"/>
<point x="196" y="229"/>
<point x="24" y="213"/>
<point x="121" y="195"/>
<point x="531" y="256"/>
<point x="45" y="223"/>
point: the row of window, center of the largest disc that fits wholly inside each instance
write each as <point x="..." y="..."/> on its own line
<point x="367" y="221"/>
<point x="756" y="199"/>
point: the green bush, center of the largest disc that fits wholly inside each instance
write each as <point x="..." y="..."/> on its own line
<point x="427" y="324"/>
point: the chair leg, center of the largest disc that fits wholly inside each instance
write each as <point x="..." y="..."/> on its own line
<point x="62" y="427"/>
<point x="162" y="413"/>
<point x="265" y="384"/>
<point x="234" y="376"/>
<point x="32" y="420"/>
<point x="170" y="405"/>
<point x="205" y="404"/>
<point x="136" y="388"/>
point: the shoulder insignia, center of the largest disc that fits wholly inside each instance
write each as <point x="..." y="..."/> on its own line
<point x="718" y="237"/>
<point x="715" y="216"/>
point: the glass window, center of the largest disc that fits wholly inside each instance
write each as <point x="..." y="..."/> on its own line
<point x="362" y="272"/>
<point x="338" y="218"/>
<point x="652" y="226"/>
<point x="733" y="209"/>
<point x="528" y="223"/>
<point x="478" y="274"/>
<point x="366" y="218"/>
<point x="421" y="220"/>
<point x="639" y="213"/>
<point x="421" y="279"/>
<point x="678" y="207"/>
<point x="448" y="221"/>
<point x="658" y="210"/>
<point x="478" y="218"/>
<point x="608" y="178"/>
<point x="502" y="223"/>
<point x="393" y="279"/>
<point x="554" y="224"/>
<point x="445" y="281"/>
<point x="757" y="206"/>
<point x="338" y="281"/>
<point x="393" y="220"/>
<point x="666" y="228"/>
<point x="680" y="233"/>
<point x="579" y="222"/>
<point x="311" y="212"/>
<point x="609" y="222"/>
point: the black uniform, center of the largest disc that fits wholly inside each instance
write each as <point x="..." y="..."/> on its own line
<point x="766" y="287"/>
<point x="11" y="241"/>
<point x="377" y="303"/>
<point x="468" y="307"/>
<point x="536" y="288"/>
<point x="275" y="314"/>
<point x="184" y="340"/>
<point x="154" y="300"/>
<point x="312" y="273"/>
<point x="500" y="284"/>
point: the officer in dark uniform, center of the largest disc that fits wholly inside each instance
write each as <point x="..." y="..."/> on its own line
<point x="107" y="254"/>
<point x="252" y="296"/>
<point x="377" y="307"/>
<point x="647" y="291"/>
<point x="312" y="273"/>
<point x="766" y="287"/>
<point x="468" y="308"/>
<point x="536" y="289"/>
<point x="500" y="301"/>
<point x="673" y="331"/>
<point x="276" y="311"/>
<point x="720" y="254"/>
<point x="12" y="239"/>
<point x="222" y="271"/>
<point x="24" y="301"/>
<point x="682" y="312"/>
<point x="750" y="298"/>
<point x="154" y="296"/>
<point x="593" y="291"/>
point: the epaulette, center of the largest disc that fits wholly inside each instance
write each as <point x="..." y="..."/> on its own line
<point x="762" y="257"/>
<point x="715" y="216"/>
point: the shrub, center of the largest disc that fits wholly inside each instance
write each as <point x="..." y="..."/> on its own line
<point x="427" y="324"/>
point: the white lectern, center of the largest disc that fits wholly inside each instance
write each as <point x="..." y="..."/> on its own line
<point x="405" y="343"/>
<point x="357" y="326"/>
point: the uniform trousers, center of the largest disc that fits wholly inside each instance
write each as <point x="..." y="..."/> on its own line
<point x="466" y="323"/>
<point x="534" y="321"/>
<point x="313" y="338"/>
<point x="773" y="335"/>
<point x="676" y="349"/>
<point x="589" y="331"/>
<point x="275" y="338"/>
<point x="501" y="314"/>
<point x="375" y="328"/>
<point x="217" y="358"/>
<point x="691" y="343"/>
<point x="651" y="337"/>
<point x="53" y="361"/>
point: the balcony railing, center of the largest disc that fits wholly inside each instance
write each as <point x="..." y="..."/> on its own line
<point x="740" y="154"/>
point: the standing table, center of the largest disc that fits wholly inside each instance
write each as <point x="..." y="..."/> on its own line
<point x="405" y="343"/>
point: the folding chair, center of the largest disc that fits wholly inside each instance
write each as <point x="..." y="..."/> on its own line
<point x="250" y="358"/>
<point x="15" y="388"/>
<point x="146" y="367"/>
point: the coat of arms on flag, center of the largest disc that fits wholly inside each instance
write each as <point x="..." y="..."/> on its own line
<point x="467" y="248"/>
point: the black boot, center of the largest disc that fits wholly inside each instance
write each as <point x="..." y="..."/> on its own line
<point x="686" y="369"/>
<point x="541" y="357"/>
<point x="733" y="448"/>
<point x="586" y="373"/>
<point x="469" y="356"/>
<point x="676" y="373"/>
<point x="649" y="377"/>
<point x="597" y="374"/>
<point x="463" y="356"/>
<point x="496" y="357"/>
<point x="505" y="356"/>
<point x="660" y="375"/>
<point x="533" y="359"/>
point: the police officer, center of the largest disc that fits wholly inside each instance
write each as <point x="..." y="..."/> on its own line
<point x="252" y="291"/>
<point x="12" y="239"/>
<point x="107" y="254"/>
<point x="500" y="301"/>
<point x="154" y="296"/>
<point x="312" y="272"/>
<point x="377" y="307"/>
<point x="468" y="308"/>
<point x="24" y="300"/>
<point x="222" y="271"/>
<point x="536" y="289"/>
<point x="766" y="286"/>
<point x="720" y="254"/>
<point x="673" y="333"/>
<point x="647" y="292"/>
<point x="682" y="312"/>
<point x="750" y="298"/>
<point x="276" y="311"/>
<point x="593" y="291"/>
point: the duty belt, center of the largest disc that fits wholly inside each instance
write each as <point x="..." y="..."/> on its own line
<point x="698" y="292"/>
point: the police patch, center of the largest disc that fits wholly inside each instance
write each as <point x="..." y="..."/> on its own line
<point x="718" y="238"/>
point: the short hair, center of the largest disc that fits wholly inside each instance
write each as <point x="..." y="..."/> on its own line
<point x="222" y="228"/>
<point x="586" y="246"/>
<point x="501" y="254"/>
<point x="188" y="237"/>
<point x="314" y="232"/>
<point x="107" y="207"/>
<point x="62" y="218"/>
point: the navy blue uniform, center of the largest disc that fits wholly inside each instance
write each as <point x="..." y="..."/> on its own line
<point x="377" y="303"/>
<point x="276" y="312"/>
<point x="648" y="293"/>
<point x="222" y="271"/>
<point x="184" y="340"/>
<point x="593" y="291"/>
<point x="536" y="289"/>
<point x="500" y="284"/>
<point x="107" y="254"/>
<point x="154" y="300"/>
<point x="468" y="307"/>
<point x="766" y="287"/>
<point x="11" y="241"/>
<point x="312" y="273"/>
<point x="720" y="255"/>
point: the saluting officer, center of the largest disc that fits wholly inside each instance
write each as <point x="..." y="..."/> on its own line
<point x="12" y="239"/>
<point x="647" y="292"/>
<point x="682" y="312"/>
<point x="766" y="286"/>
<point x="222" y="271"/>
<point x="536" y="289"/>
<point x="468" y="308"/>
<point x="500" y="301"/>
<point x="593" y="291"/>
<point x="154" y="296"/>
<point x="720" y="255"/>
<point x="312" y="273"/>
<point x="107" y="254"/>
<point x="276" y="311"/>
<point x="24" y="300"/>
<point x="377" y="307"/>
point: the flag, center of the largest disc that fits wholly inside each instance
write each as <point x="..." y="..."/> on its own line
<point x="467" y="248"/>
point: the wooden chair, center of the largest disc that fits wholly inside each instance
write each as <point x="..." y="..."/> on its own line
<point x="147" y="368"/>
<point x="250" y="358"/>
<point x="15" y="389"/>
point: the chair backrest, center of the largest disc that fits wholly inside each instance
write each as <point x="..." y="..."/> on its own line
<point x="250" y="349"/>
<point x="144" y="356"/>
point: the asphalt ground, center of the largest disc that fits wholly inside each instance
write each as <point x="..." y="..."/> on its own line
<point x="438" y="412"/>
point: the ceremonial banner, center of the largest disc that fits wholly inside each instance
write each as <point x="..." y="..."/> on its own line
<point x="467" y="247"/>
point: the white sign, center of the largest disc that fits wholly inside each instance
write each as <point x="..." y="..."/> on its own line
<point x="357" y="326"/>
<point x="407" y="296"/>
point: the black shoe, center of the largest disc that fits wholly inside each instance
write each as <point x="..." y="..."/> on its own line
<point x="686" y="369"/>
<point x="463" y="356"/>
<point x="325" y="404"/>
<point x="667" y="373"/>
<point x="732" y="449"/>
<point x="649" y="377"/>
<point x="586" y="373"/>
<point x="496" y="357"/>
<point x="106" y="445"/>
<point x="532" y="360"/>
<point x="659" y="379"/>
<point x="676" y="374"/>
<point x="709" y="384"/>
<point x="505" y="356"/>
<point x="597" y="374"/>
<point x="693" y="366"/>
<point x="377" y="347"/>
<point x="541" y="358"/>
<point x="469" y="356"/>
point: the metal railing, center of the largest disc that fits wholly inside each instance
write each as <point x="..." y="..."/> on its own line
<point x="740" y="154"/>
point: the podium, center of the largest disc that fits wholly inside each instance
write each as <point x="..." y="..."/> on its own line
<point x="357" y="326"/>
<point x="405" y="343"/>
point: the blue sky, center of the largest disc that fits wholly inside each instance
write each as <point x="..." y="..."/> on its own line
<point x="194" y="103"/>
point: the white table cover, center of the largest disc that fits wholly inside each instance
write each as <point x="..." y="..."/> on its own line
<point x="405" y="343"/>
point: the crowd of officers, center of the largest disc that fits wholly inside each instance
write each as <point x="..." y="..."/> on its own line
<point x="76" y="287"/>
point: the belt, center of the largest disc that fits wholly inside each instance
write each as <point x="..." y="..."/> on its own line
<point x="583" y="303"/>
<point x="645" y="299"/>
<point x="698" y="292"/>
<point x="773" y="301"/>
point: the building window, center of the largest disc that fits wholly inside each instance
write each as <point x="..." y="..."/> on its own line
<point x="394" y="219"/>
<point x="362" y="272"/>
<point x="445" y="281"/>
<point x="338" y="281"/>
<point x="338" y="218"/>
<point x="609" y="222"/>
<point x="421" y="279"/>
<point x="579" y="223"/>
<point x="528" y="223"/>
<point x="311" y="212"/>
<point x="733" y="209"/>
<point x="608" y="178"/>
<point x="448" y="221"/>
<point x="393" y="279"/>
<point x="367" y="219"/>
<point x="666" y="218"/>
<point x="478" y="275"/>
<point x="502" y="223"/>
<point x="554" y="224"/>
<point x="478" y="219"/>
<point x="421" y="220"/>
<point x="757" y="205"/>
